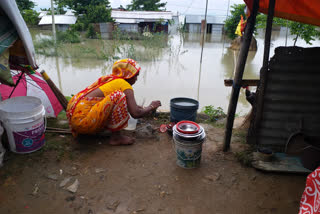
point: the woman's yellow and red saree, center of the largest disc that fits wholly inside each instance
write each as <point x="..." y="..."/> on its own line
<point x="89" y="115"/>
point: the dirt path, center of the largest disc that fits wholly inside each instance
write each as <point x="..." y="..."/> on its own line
<point x="142" y="178"/>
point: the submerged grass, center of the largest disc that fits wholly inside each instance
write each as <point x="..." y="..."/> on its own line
<point x="72" y="45"/>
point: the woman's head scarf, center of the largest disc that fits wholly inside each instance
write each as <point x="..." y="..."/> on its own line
<point x="125" y="68"/>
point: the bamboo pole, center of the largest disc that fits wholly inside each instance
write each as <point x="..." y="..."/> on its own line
<point x="267" y="39"/>
<point x="53" y="24"/>
<point x="252" y="135"/>
<point x="63" y="101"/>
<point x="244" y="49"/>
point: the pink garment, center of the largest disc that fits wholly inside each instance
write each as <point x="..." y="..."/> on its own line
<point x="310" y="200"/>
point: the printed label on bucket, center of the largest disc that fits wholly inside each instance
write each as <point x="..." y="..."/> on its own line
<point x="29" y="141"/>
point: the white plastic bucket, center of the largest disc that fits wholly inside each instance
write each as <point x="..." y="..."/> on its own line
<point x="188" y="154"/>
<point x="24" y="120"/>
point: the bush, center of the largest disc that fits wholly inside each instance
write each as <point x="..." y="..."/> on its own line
<point x="70" y="36"/>
<point x="214" y="113"/>
<point x="91" y="33"/>
<point x="79" y="26"/>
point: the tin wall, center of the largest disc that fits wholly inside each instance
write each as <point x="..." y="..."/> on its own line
<point x="292" y="97"/>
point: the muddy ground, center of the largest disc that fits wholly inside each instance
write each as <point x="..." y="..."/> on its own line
<point x="142" y="178"/>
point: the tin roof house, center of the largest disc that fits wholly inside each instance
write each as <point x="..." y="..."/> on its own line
<point x="62" y="22"/>
<point x="214" y="23"/>
<point x="139" y="21"/>
<point x="42" y="14"/>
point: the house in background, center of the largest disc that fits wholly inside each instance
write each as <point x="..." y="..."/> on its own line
<point x="42" y="14"/>
<point x="62" y="22"/>
<point x="214" y="24"/>
<point x="138" y="21"/>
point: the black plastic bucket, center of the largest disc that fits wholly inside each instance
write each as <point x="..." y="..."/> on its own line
<point x="183" y="108"/>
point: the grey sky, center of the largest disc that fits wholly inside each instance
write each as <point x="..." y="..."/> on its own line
<point x="215" y="7"/>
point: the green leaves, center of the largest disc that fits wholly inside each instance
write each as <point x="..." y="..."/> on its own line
<point x="232" y="21"/>
<point x="146" y="5"/>
<point x="214" y="113"/>
<point x="304" y="31"/>
<point x="30" y="16"/>
<point x="82" y="6"/>
<point x="25" y="5"/>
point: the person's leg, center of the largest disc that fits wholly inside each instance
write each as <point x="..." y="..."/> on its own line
<point x="120" y="139"/>
<point x="119" y="120"/>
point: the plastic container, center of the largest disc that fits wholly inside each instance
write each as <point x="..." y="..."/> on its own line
<point x="132" y="124"/>
<point x="183" y="108"/>
<point x="24" y="120"/>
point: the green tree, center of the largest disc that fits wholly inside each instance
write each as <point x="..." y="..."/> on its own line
<point x="304" y="31"/>
<point x="232" y="21"/>
<point x="25" y="5"/>
<point x="81" y="6"/>
<point x="30" y="17"/>
<point x="147" y="5"/>
<point x="98" y="13"/>
<point x="26" y="9"/>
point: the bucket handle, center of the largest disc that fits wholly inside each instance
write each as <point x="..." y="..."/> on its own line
<point x="193" y="159"/>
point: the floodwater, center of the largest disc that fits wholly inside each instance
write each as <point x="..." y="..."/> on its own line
<point x="175" y="72"/>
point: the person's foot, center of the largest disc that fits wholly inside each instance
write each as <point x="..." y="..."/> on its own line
<point x="116" y="140"/>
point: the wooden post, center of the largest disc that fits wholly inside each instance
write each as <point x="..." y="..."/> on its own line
<point x="253" y="132"/>
<point x="244" y="82"/>
<point x="63" y="101"/>
<point x="244" y="49"/>
<point x="53" y="24"/>
<point x="267" y="38"/>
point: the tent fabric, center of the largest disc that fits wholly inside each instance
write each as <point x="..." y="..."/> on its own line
<point x="8" y="33"/>
<point x="305" y="11"/>
<point x="11" y="9"/>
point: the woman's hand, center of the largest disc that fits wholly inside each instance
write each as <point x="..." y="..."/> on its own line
<point x="155" y="104"/>
<point x="138" y="111"/>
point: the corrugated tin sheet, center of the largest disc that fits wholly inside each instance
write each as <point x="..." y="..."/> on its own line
<point x="58" y="19"/>
<point x="292" y="97"/>
<point x="42" y="13"/>
<point x="196" y="19"/>
<point x="143" y="15"/>
<point x="69" y="13"/>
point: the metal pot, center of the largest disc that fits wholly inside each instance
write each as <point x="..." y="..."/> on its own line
<point x="196" y="137"/>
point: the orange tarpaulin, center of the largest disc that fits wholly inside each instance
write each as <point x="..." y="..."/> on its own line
<point x="305" y="11"/>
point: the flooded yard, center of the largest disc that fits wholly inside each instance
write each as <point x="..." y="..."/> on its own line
<point x="171" y="69"/>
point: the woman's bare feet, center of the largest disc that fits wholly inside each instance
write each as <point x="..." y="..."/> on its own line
<point x="116" y="140"/>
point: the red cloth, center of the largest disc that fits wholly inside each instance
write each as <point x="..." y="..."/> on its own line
<point x="305" y="11"/>
<point x="310" y="200"/>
